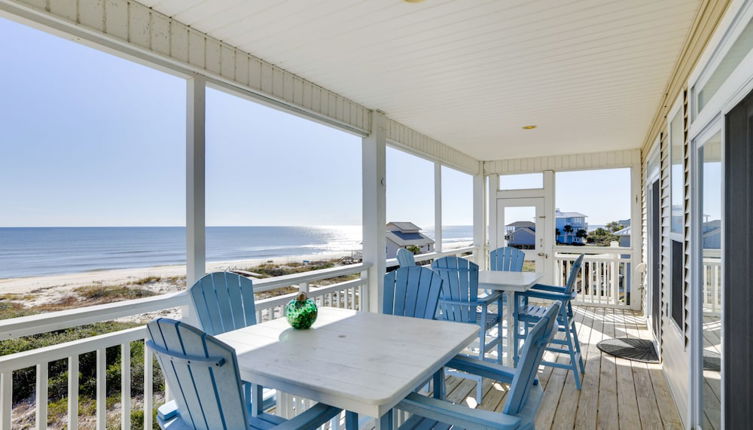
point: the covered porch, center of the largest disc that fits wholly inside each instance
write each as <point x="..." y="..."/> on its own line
<point x="495" y="91"/>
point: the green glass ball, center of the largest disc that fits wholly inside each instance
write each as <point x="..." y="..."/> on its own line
<point x="301" y="312"/>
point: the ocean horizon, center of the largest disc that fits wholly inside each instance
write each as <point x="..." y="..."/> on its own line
<point x="38" y="251"/>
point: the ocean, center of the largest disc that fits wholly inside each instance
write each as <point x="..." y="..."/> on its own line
<point x="35" y="251"/>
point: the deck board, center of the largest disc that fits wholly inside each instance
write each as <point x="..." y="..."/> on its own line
<point x="616" y="394"/>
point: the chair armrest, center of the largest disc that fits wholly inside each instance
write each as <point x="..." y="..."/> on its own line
<point x="547" y="296"/>
<point x="550" y="288"/>
<point x="312" y="418"/>
<point x="482" y="368"/>
<point x="480" y="302"/>
<point x="489" y="298"/>
<point x="456" y="415"/>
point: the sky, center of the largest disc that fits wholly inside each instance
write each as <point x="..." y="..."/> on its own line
<point x="91" y="139"/>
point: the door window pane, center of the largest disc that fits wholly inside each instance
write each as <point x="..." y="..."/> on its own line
<point x="520" y="232"/>
<point x="711" y="278"/>
<point x="731" y="60"/>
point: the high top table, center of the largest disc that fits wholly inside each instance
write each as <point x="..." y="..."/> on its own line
<point x="362" y="362"/>
<point x="509" y="283"/>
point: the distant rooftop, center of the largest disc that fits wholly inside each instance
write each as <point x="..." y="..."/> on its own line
<point x="403" y="226"/>
<point x="559" y="214"/>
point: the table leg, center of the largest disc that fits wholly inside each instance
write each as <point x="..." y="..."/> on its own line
<point x="510" y="327"/>
<point x="385" y="421"/>
<point x="351" y="420"/>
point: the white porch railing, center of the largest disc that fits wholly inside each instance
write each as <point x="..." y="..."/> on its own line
<point x="343" y="295"/>
<point x="712" y="281"/>
<point x="605" y="278"/>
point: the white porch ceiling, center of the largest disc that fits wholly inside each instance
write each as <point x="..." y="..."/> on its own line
<point x="470" y="73"/>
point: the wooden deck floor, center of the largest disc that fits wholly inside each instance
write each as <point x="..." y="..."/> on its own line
<point x="616" y="394"/>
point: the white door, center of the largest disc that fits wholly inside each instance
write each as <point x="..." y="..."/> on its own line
<point x="520" y="223"/>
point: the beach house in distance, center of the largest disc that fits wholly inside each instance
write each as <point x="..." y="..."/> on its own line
<point x="570" y="227"/>
<point x="521" y="234"/>
<point x="402" y="234"/>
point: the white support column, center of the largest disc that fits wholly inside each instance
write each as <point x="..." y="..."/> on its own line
<point x="374" y="210"/>
<point x="437" y="206"/>
<point x="492" y="195"/>
<point x="549" y="226"/>
<point x="195" y="179"/>
<point x="479" y="218"/>
<point x="636" y="235"/>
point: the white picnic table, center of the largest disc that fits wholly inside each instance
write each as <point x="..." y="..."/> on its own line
<point x="509" y="283"/>
<point x="359" y="361"/>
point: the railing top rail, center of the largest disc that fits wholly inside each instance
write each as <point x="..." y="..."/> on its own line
<point x="41" y="323"/>
<point x="392" y="262"/>
<point x="261" y="285"/>
<point x="21" y="360"/>
<point x="593" y="250"/>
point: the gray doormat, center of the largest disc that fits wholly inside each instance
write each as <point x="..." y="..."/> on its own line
<point x="630" y="348"/>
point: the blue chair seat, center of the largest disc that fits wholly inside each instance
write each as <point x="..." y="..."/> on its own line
<point x="525" y="418"/>
<point x="168" y="418"/>
<point x="522" y="401"/>
<point x="492" y="319"/>
<point x="532" y="313"/>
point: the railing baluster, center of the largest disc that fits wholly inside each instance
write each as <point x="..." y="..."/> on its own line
<point x="41" y="395"/>
<point x="6" y="399"/>
<point x="73" y="392"/>
<point x="125" y="386"/>
<point x="615" y="282"/>
<point x="148" y="387"/>
<point x="101" y="402"/>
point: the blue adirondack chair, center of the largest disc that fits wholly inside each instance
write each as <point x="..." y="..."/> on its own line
<point x="525" y="315"/>
<point x="405" y="258"/>
<point x="523" y="399"/>
<point x="460" y="302"/>
<point x="507" y="259"/>
<point x="202" y="373"/>
<point x="224" y="301"/>
<point x="412" y="292"/>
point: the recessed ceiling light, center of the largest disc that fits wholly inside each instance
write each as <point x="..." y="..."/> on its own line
<point x="529" y="127"/>
<point x="413" y="1"/>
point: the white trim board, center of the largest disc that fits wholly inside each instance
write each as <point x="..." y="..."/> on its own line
<point x="559" y="163"/>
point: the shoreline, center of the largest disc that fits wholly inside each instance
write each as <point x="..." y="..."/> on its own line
<point x="69" y="281"/>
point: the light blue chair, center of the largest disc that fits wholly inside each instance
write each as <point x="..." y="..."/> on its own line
<point x="522" y="402"/>
<point x="507" y="259"/>
<point x="224" y="301"/>
<point x="412" y="292"/>
<point x="405" y="258"/>
<point x="202" y="373"/>
<point x="460" y="302"/>
<point x="526" y="315"/>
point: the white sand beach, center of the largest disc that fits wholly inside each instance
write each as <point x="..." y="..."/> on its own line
<point x="45" y="289"/>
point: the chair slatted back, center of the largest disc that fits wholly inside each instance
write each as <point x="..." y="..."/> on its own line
<point x="459" y="288"/>
<point x="507" y="259"/>
<point x="405" y="258"/>
<point x="224" y="301"/>
<point x="412" y="292"/>
<point x="530" y="358"/>
<point x="574" y="269"/>
<point x="202" y="374"/>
